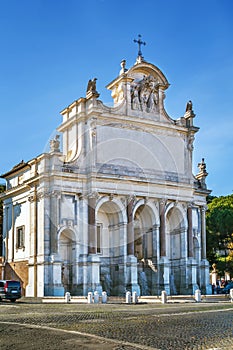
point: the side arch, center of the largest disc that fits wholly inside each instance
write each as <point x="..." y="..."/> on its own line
<point x="67" y="253"/>
<point x="151" y="207"/>
<point x="176" y="245"/>
<point x="120" y="208"/>
<point x="181" y="210"/>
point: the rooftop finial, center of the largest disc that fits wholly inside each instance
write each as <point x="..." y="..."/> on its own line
<point x="140" y="43"/>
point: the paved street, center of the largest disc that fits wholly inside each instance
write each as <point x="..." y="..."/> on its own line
<point x="33" y="325"/>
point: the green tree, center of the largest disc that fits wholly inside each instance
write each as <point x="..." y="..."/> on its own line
<point x="219" y="227"/>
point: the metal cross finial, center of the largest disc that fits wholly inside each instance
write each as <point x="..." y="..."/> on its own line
<point x="140" y="43"/>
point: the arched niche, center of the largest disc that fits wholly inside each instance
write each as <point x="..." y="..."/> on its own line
<point x="67" y="253"/>
<point x="110" y="218"/>
<point x="175" y="225"/>
<point x="144" y="221"/>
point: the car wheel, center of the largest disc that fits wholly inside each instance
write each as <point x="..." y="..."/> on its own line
<point x="13" y="300"/>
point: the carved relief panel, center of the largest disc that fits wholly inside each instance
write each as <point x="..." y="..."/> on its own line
<point x="145" y="95"/>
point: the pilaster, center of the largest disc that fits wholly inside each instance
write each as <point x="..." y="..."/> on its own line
<point x="162" y="228"/>
<point x="91" y="225"/>
<point x="190" y="230"/>
<point x="203" y="233"/>
<point x="130" y="228"/>
<point x="54" y="216"/>
<point x="34" y="241"/>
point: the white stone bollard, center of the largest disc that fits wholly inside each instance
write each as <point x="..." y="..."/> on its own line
<point x="163" y="297"/>
<point x="67" y="297"/>
<point x="197" y="295"/>
<point x="96" y="297"/>
<point x="231" y="295"/>
<point x="104" y="297"/>
<point x="128" y="298"/>
<point x="89" y="298"/>
<point x="134" y="297"/>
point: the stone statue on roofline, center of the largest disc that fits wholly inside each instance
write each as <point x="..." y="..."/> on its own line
<point x="55" y="144"/>
<point x="91" y="88"/>
<point x="201" y="176"/>
<point x="189" y="106"/>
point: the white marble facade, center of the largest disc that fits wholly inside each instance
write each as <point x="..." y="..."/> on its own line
<point x="117" y="207"/>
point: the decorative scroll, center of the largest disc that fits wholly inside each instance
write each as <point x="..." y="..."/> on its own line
<point x="144" y="94"/>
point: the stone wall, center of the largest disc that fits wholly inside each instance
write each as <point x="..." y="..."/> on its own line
<point x="1" y="267"/>
<point x="17" y="271"/>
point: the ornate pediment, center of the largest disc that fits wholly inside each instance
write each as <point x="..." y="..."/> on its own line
<point x="141" y="89"/>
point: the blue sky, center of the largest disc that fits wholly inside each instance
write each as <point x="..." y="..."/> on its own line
<point x="51" y="48"/>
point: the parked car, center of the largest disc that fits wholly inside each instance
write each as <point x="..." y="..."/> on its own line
<point x="226" y="289"/>
<point x="10" y="290"/>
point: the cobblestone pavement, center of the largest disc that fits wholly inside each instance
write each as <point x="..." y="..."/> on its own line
<point x="29" y="325"/>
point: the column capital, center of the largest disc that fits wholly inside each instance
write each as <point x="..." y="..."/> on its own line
<point x="55" y="193"/>
<point x="190" y="205"/>
<point x="162" y="201"/>
<point x="204" y="208"/>
<point x="32" y="198"/>
<point x="43" y="193"/>
<point x="82" y="196"/>
<point x="94" y="195"/>
<point x="131" y="198"/>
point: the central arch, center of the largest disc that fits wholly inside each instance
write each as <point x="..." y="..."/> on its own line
<point x="111" y="244"/>
<point x="145" y="246"/>
<point x="67" y="252"/>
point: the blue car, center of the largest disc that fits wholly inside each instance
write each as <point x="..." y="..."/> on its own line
<point x="10" y="290"/>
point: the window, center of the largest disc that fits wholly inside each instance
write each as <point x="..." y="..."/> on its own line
<point x="20" y="237"/>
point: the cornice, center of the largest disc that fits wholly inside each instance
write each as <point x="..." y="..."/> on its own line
<point x="14" y="191"/>
<point x="16" y="169"/>
<point x="72" y="105"/>
<point x="147" y="125"/>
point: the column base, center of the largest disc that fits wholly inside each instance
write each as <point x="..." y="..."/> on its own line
<point x="132" y="275"/>
<point x="164" y="267"/>
<point x="206" y="287"/>
<point x="93" y="268"/>
<point x="55" y="290"/>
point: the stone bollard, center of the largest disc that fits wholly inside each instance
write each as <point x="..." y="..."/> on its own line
<point x="163" y="297"/>
<point x="197" y="295"/>
<point x="134" y="297"/>
<point x="67" y="297"/>
<point x="128" y="298"/>
<point x="104" y="297"/>
<point x="96" y="297"/>
<point x="89" y="298"/>
<point x="231" y="295"/>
